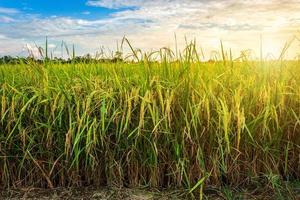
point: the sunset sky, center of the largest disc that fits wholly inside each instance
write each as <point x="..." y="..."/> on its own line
<point x="150" y="24"/>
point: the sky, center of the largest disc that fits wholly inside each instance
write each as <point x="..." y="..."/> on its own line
<point x="150" y="24"/>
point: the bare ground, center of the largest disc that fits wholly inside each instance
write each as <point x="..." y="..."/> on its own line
<point x="144" y="194"/>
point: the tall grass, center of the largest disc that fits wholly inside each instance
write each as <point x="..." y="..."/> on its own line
<point x="173" y="123"/>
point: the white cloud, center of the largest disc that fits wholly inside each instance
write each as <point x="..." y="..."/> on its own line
<point x="5" y="19"/>
<point x="238" y="23"/>
<point x="115" y="4"/>
<point x="52" y="46"/>
<point x="10" y="47"/>
<point x="32" y="50"/>
<point x="2" y="37"/>
<point x="8" y="11"/>
<point x="152" y="24"/>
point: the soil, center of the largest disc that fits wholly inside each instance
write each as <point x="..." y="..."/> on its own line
<point x="90" y="193"/>
<point x="144" y="194"/>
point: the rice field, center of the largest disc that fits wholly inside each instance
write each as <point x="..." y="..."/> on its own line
<point x="167" y="122"/>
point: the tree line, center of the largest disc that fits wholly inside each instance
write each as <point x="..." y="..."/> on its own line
<point x="78" y="59"/>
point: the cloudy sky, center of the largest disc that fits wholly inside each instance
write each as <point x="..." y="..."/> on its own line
<point x="150" y="24"/>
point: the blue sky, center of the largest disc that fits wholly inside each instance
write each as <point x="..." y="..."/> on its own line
<point x="149" y="24"/>
<point x="60" y="8"/>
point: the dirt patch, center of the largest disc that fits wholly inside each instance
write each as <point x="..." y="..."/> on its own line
<point x="91" y="193"/>
<point x="142" y="194"/>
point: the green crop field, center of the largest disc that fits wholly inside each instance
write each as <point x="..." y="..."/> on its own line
<point x="172" y="123"/>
